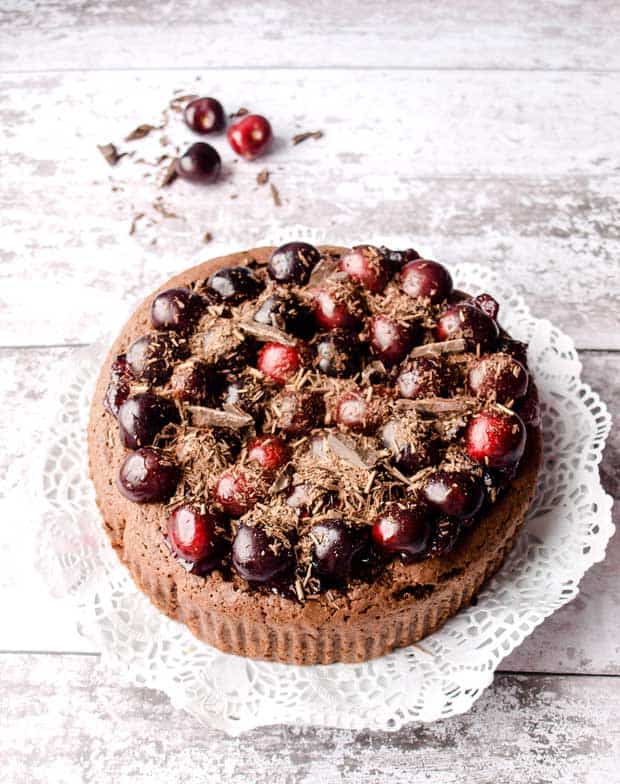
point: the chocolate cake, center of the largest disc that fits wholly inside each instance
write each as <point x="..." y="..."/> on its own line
<point x="313" y="455"/>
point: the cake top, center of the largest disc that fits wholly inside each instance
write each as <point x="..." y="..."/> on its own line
<point x="303" y="422"/>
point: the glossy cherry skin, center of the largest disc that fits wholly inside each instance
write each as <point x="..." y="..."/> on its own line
<point x="487" y="305"/>
<point x="421" y="377"/>
<point x="391" y="341"/>
<point x="258" y="557"/>
<point x="147" y="476"/>
<point x="336" y="548"/>
<point x="465" y="321"/>
<point x="233" y="285"/>
<point x="366" y="265"/>
<point x="270" y="452"/>
<point x="396" y="259"/>
<point x="176" y="309"/>
<point x="498" y="377"/>
<point x="330" y="313"/>
<point x="299" y="411"/>
<point x="199" y="163"/>
<point x="278" y="362"/>
<point x="150" y="357"/>
<point x="204" y="115"/>
<point x="337" y="354"/>
<point x="426" y="279"/>
<point x="495" y="438"/>
<point x="142" y="416"/>
<point x="193" y="534"/>
<point x="353" y="411"/>
<point x="235" y="491"/>
<point x="403" y="528"/>
<point x="287" y="313"/>
<point x="454" y="493"/>
<point x="118" y="388"/>
<point x="528" y="408"/>
<point x="251" y="136"/>
<point x="293" y="263"/>
<point x="195" y="382"/>
<point x="514" y="348"/>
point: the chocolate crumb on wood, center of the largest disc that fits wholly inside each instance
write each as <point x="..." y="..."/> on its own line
<point x="262" y="178"/>
<point x="275" y="195"/>
<point x="141" y="131"/>
<point x="110" y="153"/>
<point x="301" y="137"/>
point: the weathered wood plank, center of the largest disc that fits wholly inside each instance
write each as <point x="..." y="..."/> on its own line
<point x="582" y="637"/>
<point x="197" y="34"/>
<point x="526" y="196"/>
<point x="81" y="726"/>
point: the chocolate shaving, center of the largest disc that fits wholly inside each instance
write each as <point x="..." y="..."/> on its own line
<point x="134" y="223"/>
<point x="207" y="237"/>
<point x="262" y="178"/>
<point x="231" y="419"/>
<point x="110" y="153"/>
<point x="141" y="131"/>
<point x="301" y="137"/>
<point x="445" y="347"/>
<point x="437" y="405"/>
<point x="360" y="458"/>
<point x="176" y="104"/>
<point x="161" y="208"/>
<point x="322" y="271"/>
<point x="241" y="112"/>
<point x="374" y="368"/>
<point x="275" y="195"/>
<point x="170" y="174"/>
<point x="265" y="333"/>
<point x="283" y="480"/>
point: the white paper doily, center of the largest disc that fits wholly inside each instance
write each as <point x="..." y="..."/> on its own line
<point x="568" y="529"/>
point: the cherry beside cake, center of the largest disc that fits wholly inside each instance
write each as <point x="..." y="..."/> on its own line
<point x="314" y="454"/>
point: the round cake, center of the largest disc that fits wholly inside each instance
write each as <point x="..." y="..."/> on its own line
<point x="312" y="455"/>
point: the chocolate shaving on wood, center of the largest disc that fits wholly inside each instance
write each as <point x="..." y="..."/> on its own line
<point x="265" y="333"/>
<point x="110" y="153"/>
<point x="176" y="104"/>
<point x="445" y="347"/>
<point x="214" y="417"/>
<point x="170" y="174"/>
<point x="301" y="137"/>
<point x="275" y="195"/>
<point x="207" y="237"/>
<point x="141" y="131"/>
<point x="437" y="405"/>
<point x="262" y="178"/>
<point x="241" y="112"/>
<point x="134" y="222"/>
<point x="161" y="208"/>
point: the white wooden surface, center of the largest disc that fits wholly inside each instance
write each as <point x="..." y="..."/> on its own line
<point x="483" y="131"/>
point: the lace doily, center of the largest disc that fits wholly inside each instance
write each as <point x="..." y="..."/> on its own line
<point x="568" y="529"/>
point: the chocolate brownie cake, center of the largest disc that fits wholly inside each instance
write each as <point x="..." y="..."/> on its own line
<point x="313" y="455"/>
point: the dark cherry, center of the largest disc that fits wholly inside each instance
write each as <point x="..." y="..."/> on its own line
<point x="391" y="341"/>
<point x="299" y="411"/>
<point x="454" y="493"/>
<point x="366" y="265"/>
<point x="404" y="528"/>
<point x="337" y="547"/>
<point x="358" y="412"/>
<point x="528" y="408"/>
<point x="199" y="163"/>
<point x="293" y="263"/>
<point x="495" y="438"/>
<point x="195" y="382"/>
<point x="287" y="313"/>
<point x="270" y="452"/>
<point x="150" y="357"/>
<point x="236" y="491"/>
<point x="421" y="377"/>
<point x="118" y="388"/>
<point x="146" y="475"/>
<point x="176" y="309"/>
<point x="233" y="285"/>
<point x="466" y="321"/>
<point x="487" y="305"/>
<point x="246" y="393"/>
<point x="142" y="416"/>
<point x="409" y="456"/>
<point x="514" y="348"/>
<point x="251" y="136"/>
<point x="396" y="259"/>
<point x="426" y="279"/>
<point x="331" y="313"/>
<point x="278" y="362"/>
<point x="259" y="557"/>
<point x="338" y="353"/>
<point x="193" y="534"/>
<point x="498" y="377"/>
<point x="204" y="115"/>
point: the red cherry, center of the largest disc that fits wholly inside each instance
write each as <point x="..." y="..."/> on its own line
<point x="278" y="362"/>
<point x="330" y="313"/>
<point x="193" y="534"/>
<point x="391" y="341"/>
<point x="403" y="529"/>
<point x="498" y="376"/>
<point x="454" y="493"/>
<point x="235" y="491"/>
<point x="270" y="452"/>
<point x="367" y="265"/>
<point x="251" y="136"/>
<point x="495" y="438"/>
<point x="204" y="115"/>
<point x="428" y="279"/>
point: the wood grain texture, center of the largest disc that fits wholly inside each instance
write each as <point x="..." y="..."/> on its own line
<point x="203" y="33"/>
<point x="582" y="637"/>
<point x="529" y="195"/>
<point x="83" y="727"/>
